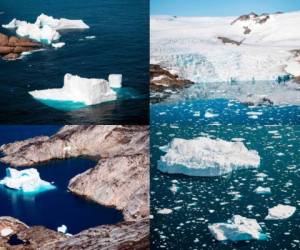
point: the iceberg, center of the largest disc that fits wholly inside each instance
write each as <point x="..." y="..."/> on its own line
<point x="280" y="212"/>
<point x="13" y="24"/>
<point x="239" y="228"/>
<point x="203" y="156"/>
<point x="27" y="180"/>
<point x="115" y="80"/>
<point x="60" y="24"/>
<point x="77" y="89"/>
<point x="58" y="45"/>
<point x="44" y="34"/>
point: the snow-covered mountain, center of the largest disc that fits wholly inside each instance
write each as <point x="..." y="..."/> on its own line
<point x="214" y="49"/>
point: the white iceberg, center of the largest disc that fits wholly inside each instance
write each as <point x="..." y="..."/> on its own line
<point x="262" y="190"/>
<point x="206" y="157"/>
<point x="237" y="229"/>
<point x="280" y="212"/>
<point x="13" y="24"/>
<point x="115" y="80"/>
<point x="44" y="34"/>
<point x="62" y="229"/>
<point x="27" y="180"/>
<point x="77" y="89"/>
<point x="60" y="24"/>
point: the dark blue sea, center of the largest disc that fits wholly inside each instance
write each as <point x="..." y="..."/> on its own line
<point x="121" y="46"/>
<point x="55" y="207"/>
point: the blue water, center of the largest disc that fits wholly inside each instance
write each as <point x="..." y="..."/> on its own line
<point x="55" y="207"/>
<point x="121" y="29"/>
<point x="200" y="201"/>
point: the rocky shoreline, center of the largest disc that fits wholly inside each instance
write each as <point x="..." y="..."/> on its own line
<point x="12" y="47"/>
<point x="120" y="180"/>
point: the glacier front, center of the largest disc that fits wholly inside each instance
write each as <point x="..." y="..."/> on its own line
<point x="89" y="91"/>
<point x="239" y="228"/>
<point x="204" y="156"/>
<point x="27" y="180"/>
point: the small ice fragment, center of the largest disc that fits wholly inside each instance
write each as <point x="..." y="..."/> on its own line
<point x="115" y="80"/>
<point x="58" y="45"/>
<point x="6" y="231"/>
<point x="280" y="212"/>
<point x="262" y="190"/>
<point x="209" y="114"/>
<point x="164" y="211"/>
<point x="90" y="37"/>
<point x="62" y="229"/>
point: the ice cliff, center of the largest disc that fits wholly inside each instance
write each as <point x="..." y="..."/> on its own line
<point x="206" y="157"/>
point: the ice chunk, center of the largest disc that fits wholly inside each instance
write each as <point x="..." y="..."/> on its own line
<point x="62" y="229"/>
<point x="60" y="24"/>
<point x="165" y="211"/>
<point x="13" y="24"/>
<point x="237" y="229"/>
<point x="203" y="156"/>
<point x="262" y="190"/>
<point x="77" y="89"/>
<point x="58" y="45"/>
<point x="280" y="212"/>
<point x="90" y="37"/>
<point x="44" y="35"/>
<point x="27" y="180"/>
<point x="6" y="232"/>
<point x="115" y="80"/>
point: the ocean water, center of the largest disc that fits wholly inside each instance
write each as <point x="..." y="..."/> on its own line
<point x="121" y="29"/>
<point x="200" y="201"/>
<point x="55" y="207"/>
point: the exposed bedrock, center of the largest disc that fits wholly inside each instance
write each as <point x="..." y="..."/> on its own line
<point x="161" y="79"/>
<point x="103" y="141"/>
<point x="12" y="47"/>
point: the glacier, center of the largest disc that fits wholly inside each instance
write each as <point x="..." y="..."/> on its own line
<point x="280" y="212"/>
<point x="197" y="54"/>
<point x="239" y="228"/>
<point x="27" y="180"/>
<point x="89" y="91"/>
<point x="204" y="156"/>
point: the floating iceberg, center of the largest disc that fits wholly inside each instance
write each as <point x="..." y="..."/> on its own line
<point x="58" y="45"/>
<point x="27" y="180"/>
<point x="13" y="24"/>
<point x="237" y="229"/>
<point x="77" y="89"/>
<point x="44" y="34"/>
<point x="115" y="80"/>
<point x="262" y="190"/>
<point x="165" y="211"/>
<point x="206" y="157"/>
<point x="60" y="24"/>
<point x="280" y="212"/>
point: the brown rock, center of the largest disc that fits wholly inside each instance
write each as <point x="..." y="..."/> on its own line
<point x="14" y="41"/>
<point x="120" y="182"/>
<point x="11" y="56"/>
<point x="3" y="40"/>
<point x="228" y="40"/>
<point x="4" y="50"/>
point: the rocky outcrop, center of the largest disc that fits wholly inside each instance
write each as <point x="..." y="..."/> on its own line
<point x="103" y="141"/>
<point x="12" y="47"/>
<point x="161" y="79"/>
<point x="122" y="236"/>
<point x="120" y="179"/>
<point x="230" y="41"/>
<point x="121" y="182"/>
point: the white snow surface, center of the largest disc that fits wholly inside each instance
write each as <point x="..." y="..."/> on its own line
<point x="77" y="89"/>
<point x="62" y="229"/>
<point x="237" y="229"/>
<point x="204" y="156"/>
<point x="280" y="212"/>
<point x="6" y="232"/>
<point x="27" y="180"/>
<point x="190" y="45"/>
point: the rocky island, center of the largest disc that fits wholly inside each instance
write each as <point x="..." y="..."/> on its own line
<point x="11" y="47"/>
<point x="120" y="179"/>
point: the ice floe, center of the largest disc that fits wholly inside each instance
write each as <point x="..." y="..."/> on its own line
<point x="164" y="211"/>
<point x="280" y="212"/>
<point x="203" y="156"/>
<point x="237" y="229"/>
<point x="262" y="190"/>
<point x="27" y="180"/>
<point x="77" y="89"/>
<point x="58" y="45"/>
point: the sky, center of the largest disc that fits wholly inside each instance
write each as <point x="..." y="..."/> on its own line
<point x="220" y="7"/>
